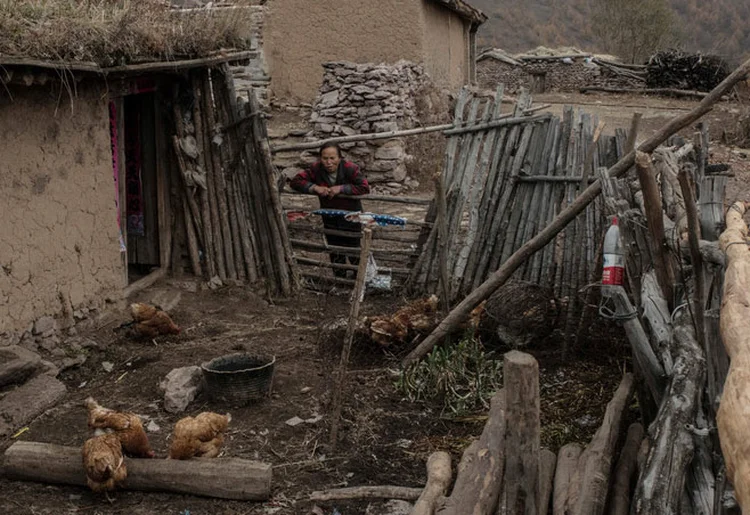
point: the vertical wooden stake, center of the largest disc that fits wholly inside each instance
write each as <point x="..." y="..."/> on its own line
<point x="442" y="241"/>
<point x="694" y="235"/>
<point x="358" y="295"/>
<point x="522" y="433"/>
<point x="655" y="219"/>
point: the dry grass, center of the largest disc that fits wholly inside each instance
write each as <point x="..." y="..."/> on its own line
<point x="114" y="32"/>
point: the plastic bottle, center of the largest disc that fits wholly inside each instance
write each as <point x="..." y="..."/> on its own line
<point x="613" y="272"/>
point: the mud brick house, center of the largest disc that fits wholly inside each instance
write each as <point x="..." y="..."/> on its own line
<point x="300" y="35"/>
<point x="116" y="166"/>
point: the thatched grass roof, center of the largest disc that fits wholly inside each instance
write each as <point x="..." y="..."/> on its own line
<point x="118" y="32"/>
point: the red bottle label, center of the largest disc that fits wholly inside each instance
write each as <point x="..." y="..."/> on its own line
<point x="614" y="270"/>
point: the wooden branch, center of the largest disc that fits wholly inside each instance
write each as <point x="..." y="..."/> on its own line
<point x="225" y="478"/>
<point x="367" y="492"/>
<point x="655" y="219"/>
<point x="661" y="482"/>
<point x="339" y="266"/>
<point x="358" y="295"/>
<point x="375" y="198"/>
<point x="479" y="476"/>
<point x="406" y="237"/>
<point x="351" y="251"/>
<point x="438" y="480"/>
<point x="619" y="502"/>
<point x="144" y="282"/>
<point x="733" y="417"/>
<point x="494" y="124"/>
<point x="652" y="91"/>
<point x="547" y="462"/>
<point x="567" y="462"/>
<point x="710" y="252"/>
<point x="442" y="215"/>
<point x="456" y="317"/>
<point x="522" y="431"/>
<point x="696" y="258"/>
<point x="595" y="463"/>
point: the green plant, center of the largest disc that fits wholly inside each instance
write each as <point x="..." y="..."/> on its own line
<point x="462" y="376"/>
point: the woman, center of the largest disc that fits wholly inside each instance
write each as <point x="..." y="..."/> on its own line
<point x="329" y="178"/>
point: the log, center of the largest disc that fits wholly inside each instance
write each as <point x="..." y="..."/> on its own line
<point x="733" y="417"/>
<point x="367" y="492"/>
<point x="619" y="502"/>
<point x="522" y="433"/>
<point x="567" y="461"/>
<point x="502" y="274"/>
<point x="595" y="463"/>
<point x="438" y="480"/>
<point x="144" y="282"/>
<point x="358" y="296"/>
<point x="225" y="478"/>
<point x="710" y="252"/>
<point x="442" y="242"/>
<point x="661" y="483"/>
<point x="696" y="258"/>
<point x="652" y="91"/>
<point x="479" y="476"/>
<point x="375" y="198"/>
<point x="655" y="219"/>
<point x="547" y="462"/>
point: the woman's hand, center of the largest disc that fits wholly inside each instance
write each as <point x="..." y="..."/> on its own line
<point x="334" y="190"/>
<point x="321" y="191"/>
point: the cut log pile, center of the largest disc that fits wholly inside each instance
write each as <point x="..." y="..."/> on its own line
<point x="227" y="210"/>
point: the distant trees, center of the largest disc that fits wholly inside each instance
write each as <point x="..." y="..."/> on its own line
<point x="633" y="29"/>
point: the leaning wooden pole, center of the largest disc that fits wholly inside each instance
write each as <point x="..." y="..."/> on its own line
<point x="358" y="294"/>
<point x="733" y="417"/>
<point x="538" y="242"/>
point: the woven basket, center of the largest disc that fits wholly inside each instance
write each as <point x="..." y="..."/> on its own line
<point x="238" y="379"/>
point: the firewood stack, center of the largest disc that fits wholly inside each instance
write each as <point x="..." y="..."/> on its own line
<point x="680" y="70"/>
<point x="226" y="189"/>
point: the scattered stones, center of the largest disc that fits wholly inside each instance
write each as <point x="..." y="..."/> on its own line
<point x="152" y="427"/>
<point x="28" y="401"/>
<point x="180" y="387"/>
<point x="44" y="326"/>
<point x="306" y="389"/>
<point x="17" y="364"/>
<point x="108" y="366"/>
<point x="294" y="421"/>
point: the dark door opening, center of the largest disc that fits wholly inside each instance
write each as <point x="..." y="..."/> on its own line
<point x="140" y="169"/>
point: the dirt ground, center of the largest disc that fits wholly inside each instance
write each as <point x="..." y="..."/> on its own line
<point x="385" y="439"/>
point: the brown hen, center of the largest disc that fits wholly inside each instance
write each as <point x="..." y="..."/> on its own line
<point x="103" y="462"/>
<point x="200" y="437"/>
<point x="418" y="316"/>
<point x="150" y="321"/>
<point x="127" y="427"/>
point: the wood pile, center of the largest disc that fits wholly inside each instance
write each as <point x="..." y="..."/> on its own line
<point x="680" y="70"/>
<point x="228" y="212"/>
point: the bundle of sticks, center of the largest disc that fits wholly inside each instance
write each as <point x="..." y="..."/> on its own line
<point x="232" y="216"/>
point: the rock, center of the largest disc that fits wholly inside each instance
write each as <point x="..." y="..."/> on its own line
<point x="180" y="387"/>
<point x="49" y="343"/>
<point x="48" y="368"/>
<point x="384" y="126"/>
<point x="294" y="421"/>
<point x="108" y="366"/>
<point x="72" y="362"/>
<point x="215" y="283"/>
<point x="44" y="325"/>
<point x="393" y="149"/>
<point x="28" y="401"/>
<point x="325" y="128"/>
<point x="17" y="365"/>
<point x="399" y="173"/>
<point x="328" y="100"/>
<point x="306" y="389"/>
<point x="152" y="427"/>
<point x="363" y="90"/>
<point x="382" y="165"/>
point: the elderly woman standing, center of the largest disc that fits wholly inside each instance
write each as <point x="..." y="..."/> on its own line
<point x="329" y="178"/>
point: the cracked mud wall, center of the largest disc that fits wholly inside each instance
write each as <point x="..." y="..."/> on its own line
<point x="58" y="236"/>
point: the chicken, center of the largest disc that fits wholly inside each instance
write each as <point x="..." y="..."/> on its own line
<point x="150" y="321"/>
<point x="200" y="437"/>
<point x="103" y="463"/>
<point x="418" y="316"/>
<point x="127" y="427"/>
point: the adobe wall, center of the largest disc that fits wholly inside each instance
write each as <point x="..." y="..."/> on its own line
<point x="58" y="236"/>
<point x="446" y="46"/>
<point x="301" y="35"/>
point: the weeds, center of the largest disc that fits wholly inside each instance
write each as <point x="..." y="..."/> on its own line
<point x="461" y="376"/>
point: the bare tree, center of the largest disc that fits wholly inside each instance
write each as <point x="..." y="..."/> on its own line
<point x="633" y="29"/>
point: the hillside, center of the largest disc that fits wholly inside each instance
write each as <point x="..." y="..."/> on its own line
<point x="719" y="26"/>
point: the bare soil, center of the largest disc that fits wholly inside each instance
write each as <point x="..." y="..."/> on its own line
<point x="385" y="439"/>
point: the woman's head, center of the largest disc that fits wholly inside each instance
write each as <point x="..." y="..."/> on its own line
<point x="330" y="156"/>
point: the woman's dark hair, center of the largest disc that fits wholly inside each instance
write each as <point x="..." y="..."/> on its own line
<point x="330" y="145"/>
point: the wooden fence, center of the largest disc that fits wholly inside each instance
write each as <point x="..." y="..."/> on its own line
<point x="505" y="181"/>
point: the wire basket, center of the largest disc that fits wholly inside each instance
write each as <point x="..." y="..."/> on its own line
<point x="239" y="379"/>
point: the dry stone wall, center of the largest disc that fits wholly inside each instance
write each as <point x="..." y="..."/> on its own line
<point x="369" y="98"/>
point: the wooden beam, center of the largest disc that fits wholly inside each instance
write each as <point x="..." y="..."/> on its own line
<point x="225" y="478"/>
<point x="144" y="282"/>
<point x="367" y="492"/>
<point x="377" y="198"/>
